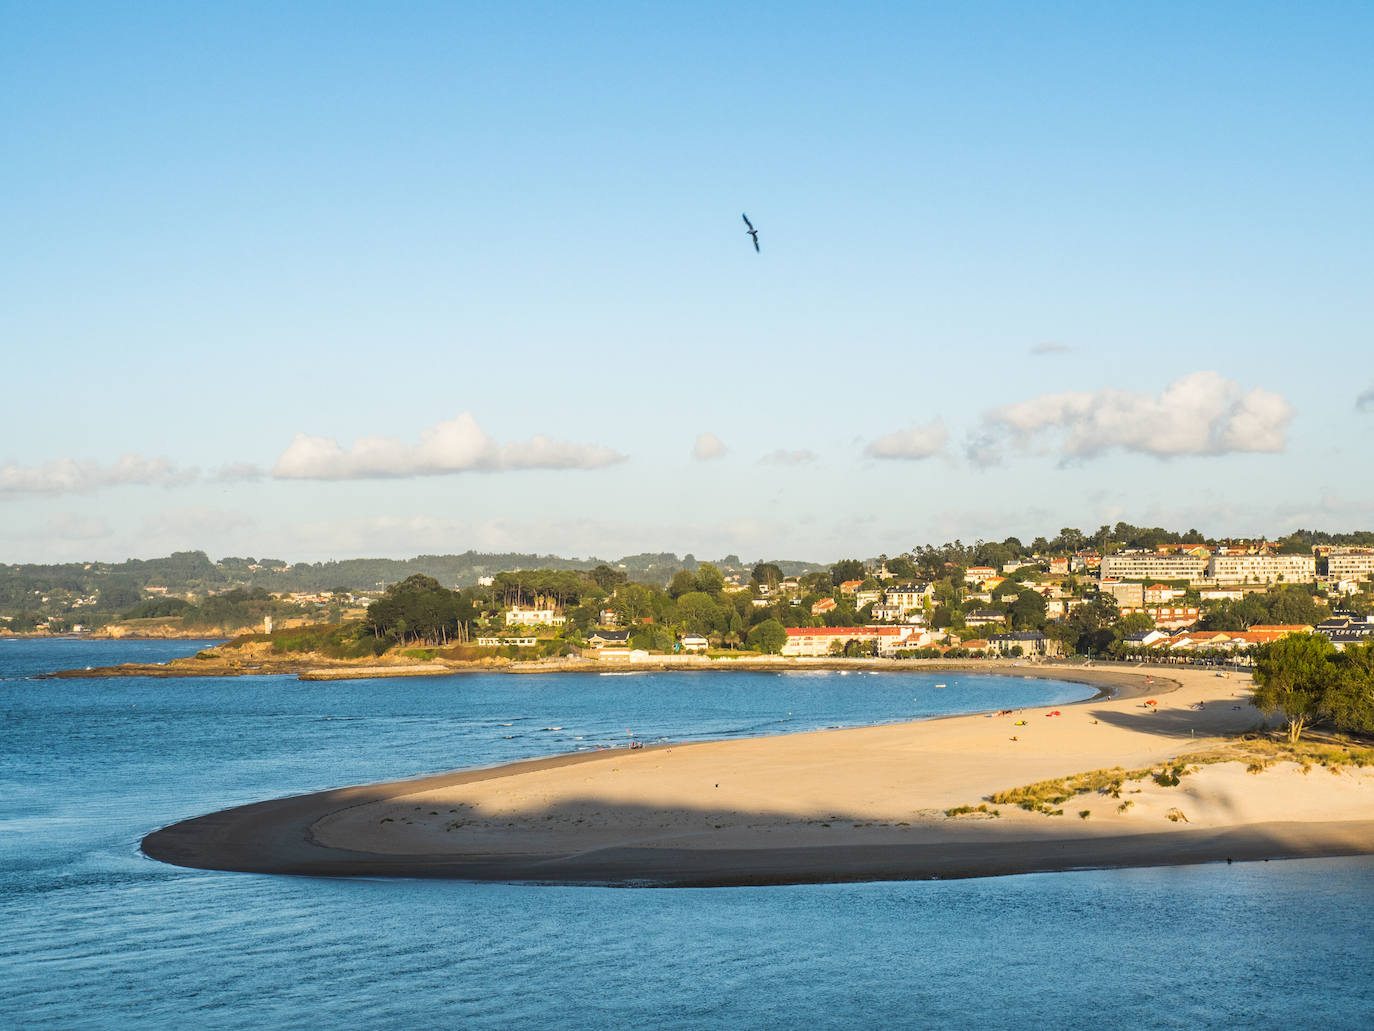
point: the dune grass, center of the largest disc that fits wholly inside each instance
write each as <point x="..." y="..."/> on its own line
<point x="1259" y="753"/>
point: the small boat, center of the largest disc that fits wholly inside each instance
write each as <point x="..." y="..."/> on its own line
<point x="941" y="685"/>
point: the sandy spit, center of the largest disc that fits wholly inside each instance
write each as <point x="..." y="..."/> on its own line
<point x="840" y="805"/>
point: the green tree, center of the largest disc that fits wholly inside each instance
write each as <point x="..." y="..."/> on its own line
<point x="632" y="602"/>
<point x="847" y="569"/>
<point x="418" y="607"/>
<point x="1065" y="634"/>
<point x="1352" y="702"/>
<point x="1132" y="623"/>
<point x="768" y="637"/>
<point x="119" y="593"/>
<point x="767" y="574"/>
<point x="652" y="638"/>
<point x="683" y="582"/>
<point x="607" y="578"/>
<point x="1093" y="623"/>
<point x="1028" y="610"/>
<point x="698" y="613"/>
<point x="1295" y="676"/>
<point x="901" y="567"/>
<point x="709" y="579"/>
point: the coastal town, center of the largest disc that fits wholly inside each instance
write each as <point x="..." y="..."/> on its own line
<point x="1145" y="594"/>
<point x="1175" y="601"/>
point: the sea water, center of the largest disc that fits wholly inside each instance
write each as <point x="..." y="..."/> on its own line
<point x="94" y="935"/>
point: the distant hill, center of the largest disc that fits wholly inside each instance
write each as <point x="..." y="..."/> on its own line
<point x="80" y="590"/>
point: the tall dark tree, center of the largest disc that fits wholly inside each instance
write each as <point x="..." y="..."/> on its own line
<point x="418" y="608"/>
<point x="847" y="569"/>
<point x="767" y="574"/>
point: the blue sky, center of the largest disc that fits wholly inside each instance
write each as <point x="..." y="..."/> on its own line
<point x="1022" y="267"/>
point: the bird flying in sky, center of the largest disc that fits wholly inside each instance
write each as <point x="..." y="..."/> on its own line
<point x="751" y="231"/>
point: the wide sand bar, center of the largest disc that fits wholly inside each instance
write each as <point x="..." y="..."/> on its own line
<point x="840" y="805"/>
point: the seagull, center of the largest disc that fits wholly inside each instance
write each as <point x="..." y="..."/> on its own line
<point x="751" y="231"/>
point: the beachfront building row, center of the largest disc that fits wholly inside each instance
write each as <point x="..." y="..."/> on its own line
<point x="1171" y="617"/>
<point x="818" y="641"/>
<point x="1030" y="642"/>
<point x="1212" y="640"/>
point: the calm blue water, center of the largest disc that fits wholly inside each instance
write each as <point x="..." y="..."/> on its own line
<point x="94" y="935"/>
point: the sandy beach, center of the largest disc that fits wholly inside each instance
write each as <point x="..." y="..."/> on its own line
<point x="859" y="804"/>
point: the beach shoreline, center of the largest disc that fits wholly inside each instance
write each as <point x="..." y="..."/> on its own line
<point x="856" y="804"/>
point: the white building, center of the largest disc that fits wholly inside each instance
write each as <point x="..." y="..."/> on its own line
<point x="1262" y="569"/>
<point x="1350" y="564"/>
<point x="1146" y="565"/>
<point x="1220" y="594"/>
<point x="693" y="643"/>
<point x="517" y="616"/>
<point x="817" y="641"/>
<point x="1124" y="593"/>
<point x="909" y="597"/>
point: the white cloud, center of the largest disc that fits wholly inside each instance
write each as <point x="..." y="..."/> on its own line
<point x="71" y="476"/>
<point x="784" y="457"/>
<point x="1051" y="348"/>
<point x="1365" y="402"/>
<point x="707" y="447"/>
<point x="917" y="442"/>
<point x="1203" y="413"/>
<point x="456" y="445"/>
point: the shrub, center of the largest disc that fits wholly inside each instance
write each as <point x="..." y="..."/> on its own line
<point x="967" y="810"/>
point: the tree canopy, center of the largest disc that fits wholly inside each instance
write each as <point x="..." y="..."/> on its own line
<point x="420" y="609"/>
<point x="768" y="637"/>
<point x="1304" y="678"/>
